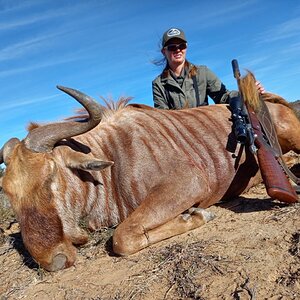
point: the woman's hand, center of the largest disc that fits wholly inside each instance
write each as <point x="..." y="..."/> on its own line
<point x="260" y="87"/>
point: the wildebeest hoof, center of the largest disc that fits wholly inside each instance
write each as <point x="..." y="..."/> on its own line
<point x="207" y="215"/>
<point x="186" y="216"/>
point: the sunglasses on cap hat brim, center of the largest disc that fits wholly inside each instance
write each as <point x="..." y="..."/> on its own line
<point x="175" y="47"/>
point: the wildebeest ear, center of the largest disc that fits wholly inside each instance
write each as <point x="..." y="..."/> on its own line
<point x="7" y="149"/>
<point x="83" y="161"/>
<point x="95" y="165"/>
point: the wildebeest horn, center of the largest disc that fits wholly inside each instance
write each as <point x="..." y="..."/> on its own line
<point x="43" y="138"/>
<point x="6" y="150"/>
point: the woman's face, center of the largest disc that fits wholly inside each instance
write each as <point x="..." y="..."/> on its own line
<point x="175" y="52"/>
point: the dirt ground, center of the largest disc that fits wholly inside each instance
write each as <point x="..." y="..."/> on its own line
<point x="251" y="250"/>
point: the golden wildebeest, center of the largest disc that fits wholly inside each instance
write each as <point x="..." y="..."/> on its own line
<point x="151" y="171"/>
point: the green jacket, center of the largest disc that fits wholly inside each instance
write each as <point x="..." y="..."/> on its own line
<point x="168" y="94"/>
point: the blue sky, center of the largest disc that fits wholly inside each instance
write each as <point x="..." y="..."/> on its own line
<point x="106" y="48"/>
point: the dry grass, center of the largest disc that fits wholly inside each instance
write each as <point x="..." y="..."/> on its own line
<point x="183" y="265"/>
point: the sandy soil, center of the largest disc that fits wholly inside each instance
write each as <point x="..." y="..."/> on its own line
<point x="251" y="250"/>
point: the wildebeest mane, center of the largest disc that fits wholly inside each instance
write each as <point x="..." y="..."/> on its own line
<point x="111" y="107"/>
<point x="32" y="126"/>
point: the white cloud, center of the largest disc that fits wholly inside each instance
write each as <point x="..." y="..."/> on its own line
<point x="25" y="102"/>
<point x="30" y="19"/>
<point x="27" y="46"/>
<point x="284" y="30"/>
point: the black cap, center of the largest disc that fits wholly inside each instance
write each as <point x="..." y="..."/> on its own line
<point x="171" y="34"/>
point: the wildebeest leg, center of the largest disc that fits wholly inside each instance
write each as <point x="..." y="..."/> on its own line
<point x="160" y="216"/>
<point x="194" y="218"/>
<point x="180" y="224"/>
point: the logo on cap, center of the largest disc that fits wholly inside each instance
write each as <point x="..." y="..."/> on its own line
<point x="173" y="32"/>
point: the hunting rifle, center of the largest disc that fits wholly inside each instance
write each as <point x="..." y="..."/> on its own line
<point x="275" y="180"/>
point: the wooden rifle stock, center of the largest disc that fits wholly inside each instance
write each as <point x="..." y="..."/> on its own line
<point x="275" y="180"/>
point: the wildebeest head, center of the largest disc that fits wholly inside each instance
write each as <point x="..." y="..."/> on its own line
<point x="31" y="171"/>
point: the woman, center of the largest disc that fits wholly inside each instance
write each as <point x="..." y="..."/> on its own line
<point x="182" y="84"/>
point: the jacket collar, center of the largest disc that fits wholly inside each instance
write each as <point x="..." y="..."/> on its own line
<point x="166" y="76"/>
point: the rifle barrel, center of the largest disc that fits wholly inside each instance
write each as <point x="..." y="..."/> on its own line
<point x="236" y="69"/>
